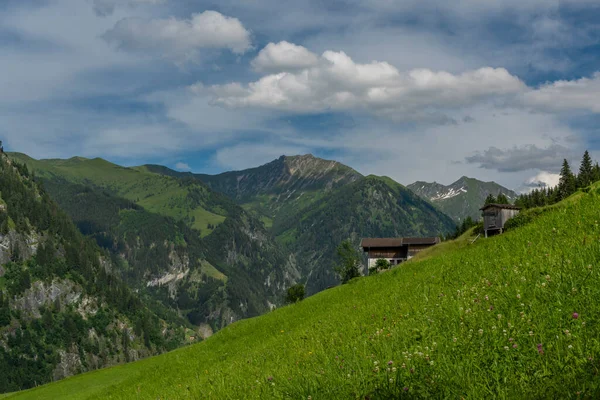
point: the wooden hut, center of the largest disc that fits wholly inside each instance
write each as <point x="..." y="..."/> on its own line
<point x="496" y="215"/>
<point x="395" y="250"/>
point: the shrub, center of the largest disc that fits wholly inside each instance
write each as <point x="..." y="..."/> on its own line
<point x="295" y="294"/>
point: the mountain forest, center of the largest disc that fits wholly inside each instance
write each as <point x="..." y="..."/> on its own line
<point x="104" y="265"/>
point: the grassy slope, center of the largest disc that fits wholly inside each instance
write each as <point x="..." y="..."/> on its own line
<point x="452" y="320"/>
<point x="156" y="193"/>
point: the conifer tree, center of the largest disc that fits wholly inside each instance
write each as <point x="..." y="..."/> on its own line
<point x="596" y="173"/>
<point x="490" y="199"/>
<point x="586" y="171"/>
<point x="502" y="199"/>
<point x="567" y="183"/>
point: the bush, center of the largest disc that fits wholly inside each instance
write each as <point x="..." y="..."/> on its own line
<point x="349" y="261"/>
<point x="295" y="294"/>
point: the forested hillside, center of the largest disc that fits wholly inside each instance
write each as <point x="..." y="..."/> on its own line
<point x="370" y="207"/>
<point x="514" y="316"/>
<point x="63" y="310"/>
<point x="235" y="271"/>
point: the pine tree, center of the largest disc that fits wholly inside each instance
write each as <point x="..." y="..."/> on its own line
<point x="490" y="199"/>
<point x="502" y="199"/>
<point x="596" y="173"/>
<point x="568" y="183"/>
<point x="586" y="171"/>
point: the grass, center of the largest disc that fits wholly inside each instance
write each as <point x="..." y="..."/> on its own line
<point x="211" y="271"/>
<point x="494" y="319"/>
<point x="462" y="241"/>
<point x="156" y="193"/>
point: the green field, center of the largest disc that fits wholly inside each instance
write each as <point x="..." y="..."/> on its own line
<point x="157" y="193"/>
<point x="492" y="319"/>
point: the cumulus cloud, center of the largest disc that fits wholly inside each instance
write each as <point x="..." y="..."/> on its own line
<point x="181" y="166"/>
<point x="336" y="82"/>
<point x="284" y="56"/>
<point x="180" y="39"/>
<point x="543" y="179"/>
<point x="580" y="94"/>
<point x="521" y="158"/>
<point x="104" y="8"/>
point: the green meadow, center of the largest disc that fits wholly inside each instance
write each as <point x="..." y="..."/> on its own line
<point x="512" y="316"/>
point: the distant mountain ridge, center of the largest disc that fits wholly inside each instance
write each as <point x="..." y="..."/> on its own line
<point x="462" y="198"/>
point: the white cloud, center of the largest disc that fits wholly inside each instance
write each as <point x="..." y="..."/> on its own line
<point x="543" y="179"/>
<point x="581" y="94"/>
<point x="105" y="8"/>
<point x="284" y="56"/>
<point x="180" y="39"/>
<point x="182" y="166"/>
<point x="339" y="83"/>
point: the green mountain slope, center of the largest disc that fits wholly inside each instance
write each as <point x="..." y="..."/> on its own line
<point x="62" y="309"/>
<point x="146" y="219"/>
<point x="462" y="198"/>
<point x="279" y="187"/>
<point x="513" y="316"/>
<point x="311" y="205"/>
<point x="183" y="200"/>
<point x="370" y="207"/>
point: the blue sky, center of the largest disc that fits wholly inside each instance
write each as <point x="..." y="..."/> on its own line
<point x="416" y="90"/>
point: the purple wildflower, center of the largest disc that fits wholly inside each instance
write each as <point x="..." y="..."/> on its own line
<point x="540" y="349"/>
<point x="270" y="378"/>
<point x="405" y="388"/>
<point x="390" y="362"/>
<point x="575" y="315"/>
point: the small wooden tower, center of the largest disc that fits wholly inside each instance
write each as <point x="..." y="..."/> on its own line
<point x="496" y="215"/>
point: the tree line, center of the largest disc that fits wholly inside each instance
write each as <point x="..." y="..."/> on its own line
<point x="568" y="184"/>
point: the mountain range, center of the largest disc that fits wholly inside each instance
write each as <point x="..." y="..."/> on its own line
<point x="462" y="198"/>
<point x="198" y="252"/>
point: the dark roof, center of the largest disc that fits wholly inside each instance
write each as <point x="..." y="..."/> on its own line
<point x="504" y="206"/>
<point x="397" y="242"/>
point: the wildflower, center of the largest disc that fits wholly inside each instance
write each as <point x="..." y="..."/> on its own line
<point x="454" y="340"/>
<point x="515" y="346"/>
<point x="412" y="370"/>
<point x="505" y="347"/>
<point x="486" y="297"/>
<point x="575" y="315"/>
<point x="530" y="333"/>
<point x="574" y="290"/>
<point x="511" y="339"/>
<point x="567" y="332"/>
<point x="309" y="397"/>
<point x="390" y="362"/>
<point x="391" y="380"/>
<point x="548" y="278"/>
<point x="403" y="365"/>
<point x="375" y="362"/>
<point x="393" y="369"/>
<point x="544" y="284"/>
<point x="570" y="346"/>
<point x="405" y="389"/>
<point x="540" y="349"/>
<point x="518" y="295"/>
<point x="481" y="331"/>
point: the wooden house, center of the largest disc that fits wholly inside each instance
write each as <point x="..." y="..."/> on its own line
<point x="496" y="215"/>
<point x="395" y="250"/>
